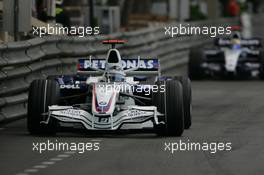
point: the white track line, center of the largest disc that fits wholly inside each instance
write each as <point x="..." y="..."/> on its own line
<point x="40" y="166"/>
<point x="55" y="159"/>
<point x="46" y="164"/>
<point x="64" y="155"/>
<point x="70" y="152"/>
<point x="32" y="170"/>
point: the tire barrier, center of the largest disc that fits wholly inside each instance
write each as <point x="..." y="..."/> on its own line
<point x="22" y="62"/>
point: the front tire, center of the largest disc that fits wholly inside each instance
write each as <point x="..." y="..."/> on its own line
<point x="170" y="103"/>
<point x="187" y="100"/>
<point x="42" y="93"/>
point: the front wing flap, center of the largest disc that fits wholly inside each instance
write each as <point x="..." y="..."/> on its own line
<point x="133" y="114"/>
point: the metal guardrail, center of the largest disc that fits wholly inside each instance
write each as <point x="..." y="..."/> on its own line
<point x="22" y="62"/>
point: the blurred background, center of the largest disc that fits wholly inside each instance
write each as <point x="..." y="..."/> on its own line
<point x="17" y="17"/>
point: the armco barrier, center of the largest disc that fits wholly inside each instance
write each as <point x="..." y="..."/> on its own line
<point x="22" y="62"/>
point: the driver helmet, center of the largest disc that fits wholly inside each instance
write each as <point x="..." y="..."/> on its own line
<point x="236" y="41"/>
<point x="115" y="77"/>
<point x="236" y="35"/>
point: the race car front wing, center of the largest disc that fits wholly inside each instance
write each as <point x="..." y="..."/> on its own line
<point x="133" y="114"/>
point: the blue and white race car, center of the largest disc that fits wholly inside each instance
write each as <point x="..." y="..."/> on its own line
<point x="231" y="58"/>
<point x="107" y="94"/>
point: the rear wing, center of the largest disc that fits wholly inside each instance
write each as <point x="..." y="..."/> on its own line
<point x="225" y="42"/>
<point x="147" y="67"/>
<point x="114" y="42"/>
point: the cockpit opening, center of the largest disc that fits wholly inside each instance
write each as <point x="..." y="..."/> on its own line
<point x="113" y="57"/>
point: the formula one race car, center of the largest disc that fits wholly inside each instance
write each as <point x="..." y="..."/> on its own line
<point x="231" y="58"/>
<point x="107" y="94"/>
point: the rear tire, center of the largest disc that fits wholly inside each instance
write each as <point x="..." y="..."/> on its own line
<point x="170" y="103"/>
<point x="194" y="66"/>
<point x="187" y="100"/>
<point x="42" y="93"/>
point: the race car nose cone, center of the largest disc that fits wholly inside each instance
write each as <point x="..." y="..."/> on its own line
<point x="104" y="98"/>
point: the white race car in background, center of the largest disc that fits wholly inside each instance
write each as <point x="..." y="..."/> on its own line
<point x="109" y="93"/>
<point x="231" y="58"/>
